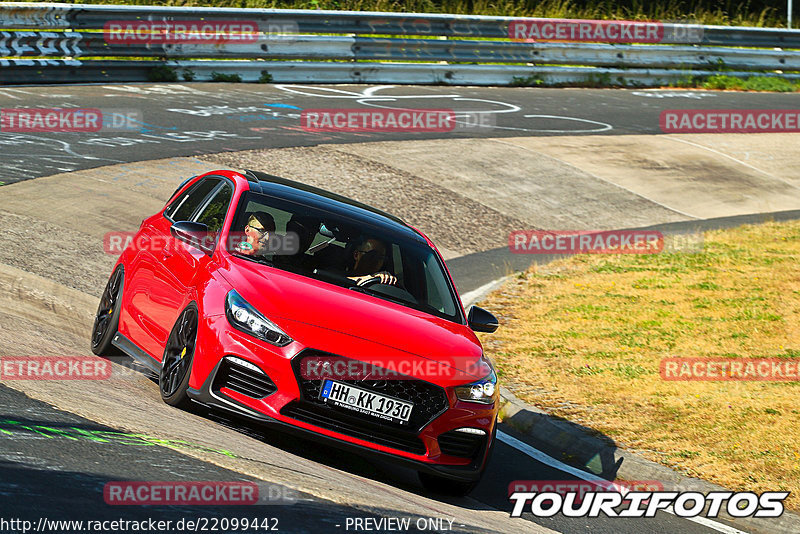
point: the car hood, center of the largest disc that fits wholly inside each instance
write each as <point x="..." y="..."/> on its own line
<point x="291" y="300"/>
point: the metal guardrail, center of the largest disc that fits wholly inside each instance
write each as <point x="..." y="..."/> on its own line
<point x="316" y="47"/>
<point x="72" y="71"/>
<point x="74" y="32"/>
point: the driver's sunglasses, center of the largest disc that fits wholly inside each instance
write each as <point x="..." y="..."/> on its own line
<point x="259" y="230"/>
<point x="374" y="254"/>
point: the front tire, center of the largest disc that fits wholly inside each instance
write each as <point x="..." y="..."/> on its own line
<point x="176" y="365"/>
<point x="106" y="321"/>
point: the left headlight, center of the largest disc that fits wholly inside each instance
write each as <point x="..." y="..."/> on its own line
<point x="483" y="391"/>
<point x="246" y="318"/>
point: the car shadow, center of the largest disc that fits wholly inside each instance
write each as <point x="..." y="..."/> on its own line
<point x="583" y="447"/>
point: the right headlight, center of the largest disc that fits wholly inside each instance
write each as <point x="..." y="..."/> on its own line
<point x="246" y="318"/>
<point x="482" y="391"/>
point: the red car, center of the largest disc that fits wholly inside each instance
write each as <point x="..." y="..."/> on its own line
<point x="304" y="309"/>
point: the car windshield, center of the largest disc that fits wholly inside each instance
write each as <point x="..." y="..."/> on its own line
<point x="333" y="248"/>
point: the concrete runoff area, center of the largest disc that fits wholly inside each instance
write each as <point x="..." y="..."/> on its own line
<point x="530" y="185"/>
<point x="602" y="182"/>
<point x="691" y="178"/>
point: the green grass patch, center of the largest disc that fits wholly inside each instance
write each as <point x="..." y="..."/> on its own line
<point x="723" y="82"/>
<point x="754" y="83"/>
<point x="225" y="78"/>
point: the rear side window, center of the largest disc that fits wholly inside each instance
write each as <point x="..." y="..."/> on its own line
<point x="180" y="187"/>
<point x="183" y="207"/>
<point x="213" y="215"/>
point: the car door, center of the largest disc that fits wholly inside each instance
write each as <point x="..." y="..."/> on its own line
<point x="155" y="296"/>
<point x="184" y="266"/>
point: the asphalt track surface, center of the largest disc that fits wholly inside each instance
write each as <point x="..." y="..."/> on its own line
<point x="192" y="119"/>
<point x="56" y="475"/>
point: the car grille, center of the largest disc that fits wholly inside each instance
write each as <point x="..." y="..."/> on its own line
<point x="461" y="444"/>
<point x="429" y="401"/>
<point x="242" y="380"/>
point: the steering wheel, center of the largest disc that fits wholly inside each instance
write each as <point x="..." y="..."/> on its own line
<point x="394" y="291"/>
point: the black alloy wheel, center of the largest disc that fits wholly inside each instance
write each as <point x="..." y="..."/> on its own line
<point x="177" y="362"/>
<point x="106" y="319"/>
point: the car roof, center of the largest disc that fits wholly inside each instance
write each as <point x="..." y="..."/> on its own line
<point x="276" y="186"/>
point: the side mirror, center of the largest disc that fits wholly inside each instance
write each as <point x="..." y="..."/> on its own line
<point x="195" y="234"/>
<point x="481" y="320"/>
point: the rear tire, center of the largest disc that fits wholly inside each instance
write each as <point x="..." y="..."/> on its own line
<point x="106" y="320"/>
<point x="176" y="365"/>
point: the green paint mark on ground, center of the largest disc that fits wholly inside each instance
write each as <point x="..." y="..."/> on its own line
<point x="13" y="428"/>
<point x="43" y="430"/>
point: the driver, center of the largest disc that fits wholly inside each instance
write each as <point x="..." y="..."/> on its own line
<point x="257" y="231"/>
<point x="369" y="256"/>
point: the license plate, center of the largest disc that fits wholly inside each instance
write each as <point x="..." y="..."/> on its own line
<point x="366" y="402"/>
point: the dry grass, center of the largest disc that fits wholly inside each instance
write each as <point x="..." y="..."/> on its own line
<point x="583" y="338"/>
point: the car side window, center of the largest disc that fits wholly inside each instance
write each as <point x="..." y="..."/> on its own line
<point x="213" y="214"/>
<point x="183" y="207"/>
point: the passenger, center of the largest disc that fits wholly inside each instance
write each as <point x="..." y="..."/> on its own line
<point x="257" y="233"/>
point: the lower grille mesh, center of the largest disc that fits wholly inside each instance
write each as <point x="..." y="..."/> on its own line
<point x="461" y="444"/>
<point x="243" y="380"/>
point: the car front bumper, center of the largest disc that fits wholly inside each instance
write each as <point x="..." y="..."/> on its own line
<point x="272" y="410"/>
